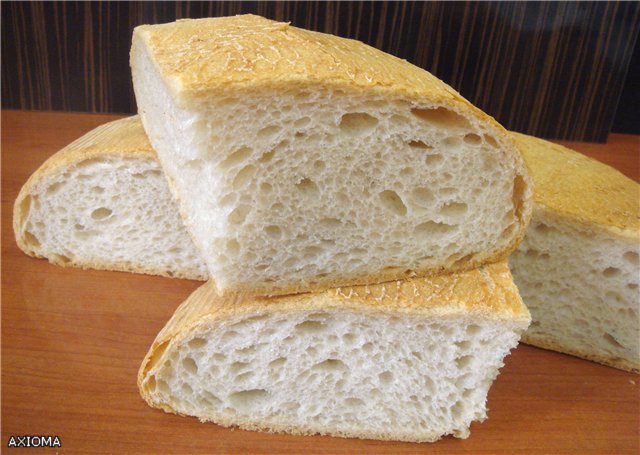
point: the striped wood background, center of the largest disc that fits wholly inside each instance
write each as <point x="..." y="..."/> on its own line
<point x="553" y="69"/>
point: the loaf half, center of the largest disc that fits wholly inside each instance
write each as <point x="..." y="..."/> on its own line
<point x="103" y="202"/>
<point x="578" y="269"/>
<point x="409" y="361"/>
<point x="305" y="161"/>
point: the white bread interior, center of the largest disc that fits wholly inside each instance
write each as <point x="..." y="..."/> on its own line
<point x="578" y="269"/>
<point x="409" y="361"/>
<point x="303" y="161"/>
<point x="102" y="202"/>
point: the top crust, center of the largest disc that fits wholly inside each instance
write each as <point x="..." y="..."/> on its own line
<point x="580" y="188"/>
<point x="199" y="57"/>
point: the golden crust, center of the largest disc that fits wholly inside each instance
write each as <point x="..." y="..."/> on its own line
<point x="198" y="56"/>
<point x="579" y="188"/>
<point x="484" y="293"/>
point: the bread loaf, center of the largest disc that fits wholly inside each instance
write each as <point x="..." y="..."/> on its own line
<point x="103" y="202"/>
<point x="408" y="361"/>
<point x="577" y="268"/>
<point x="305" y="161"/>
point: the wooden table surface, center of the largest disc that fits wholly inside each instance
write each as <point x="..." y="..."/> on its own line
<point x="72" y="341"/>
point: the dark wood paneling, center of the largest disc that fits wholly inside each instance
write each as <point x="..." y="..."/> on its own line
<point x="553" y="69"/>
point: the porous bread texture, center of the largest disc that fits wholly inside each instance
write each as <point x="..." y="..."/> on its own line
<point x="305" y="161"/>
<point x="102" y="202"/>
<point x="408" y="361"/>
<point x="578" y="269"/>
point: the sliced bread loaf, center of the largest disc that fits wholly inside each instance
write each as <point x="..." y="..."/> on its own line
<point x="577" y="268"/>
<point x="304" y="161"/>
<point x="103" y="202"/>
<point x="409" y="361"/>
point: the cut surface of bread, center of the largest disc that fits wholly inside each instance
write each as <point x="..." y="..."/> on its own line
<point x="103" y="202"/>
<point x="305" y="161"/>
<point x="578" y="269"/>
<point x="408" y="360"/>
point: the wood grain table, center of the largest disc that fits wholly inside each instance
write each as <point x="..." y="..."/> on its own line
<point x="72" y="341"/>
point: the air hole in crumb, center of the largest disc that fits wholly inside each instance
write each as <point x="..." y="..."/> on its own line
<point x="239" y="214"/>
<point x="87" y="163"/>
<point x="330" y="365"/>
<point x="268" y="132"/>
<point x="452" y="142"/>
<point x="357" y="123"/>
<point x="247" y="399"/>
<point x="310" y="326"/>
<point x="464" y="361"/>
<point x="233" y="246"/>
<point x="611" y="272"/>
<point x="194" y="164"/>
<point x="243" y="176"/>
<point x="311" y="252"/>
<point x="162" y="386"/>
<point x="472" y="139"/>
<point x="235" y="158"/>
<point x="491" y="141"/>
<point x="632" y="257"/>
<point x="423" y="197"/>
<point x="25" y="206"/>
<point x="301" y="122"/>
<point x="473" y="329"/>
<point x="61" y="258"/>
<point x="353" y="402"/>
<point x="273" y="231"/>
<point x="454" y="209"/>
<point x="267" y="156"/>
<point x="307" y="187"/>
<point x="432" y="228"/>
<point x="228" y="199"/>
<point x="190" y="365"/>
<point x="392" y="202"/>
<point x="330" y="223"/>
<point x="52" y="189"/>
<point x="197" y="343"/>
<point x="612" y="341"/>
<point x="237" y="367"/>
<point x="385" y="377"/>
<point x="277" y="363"/>
<point x="433" y="159"/>
<point x="31" y="240"/>
<point x="441" y="117"/>
<point x="151" y="383"/>
<point x="457" y="410"/>
<point x="367" y="347"/>
<point x="101" y="213"/>
<point x="518" y="195"/>
<point x="419" y="145"/>
<point x="319" y="165"/>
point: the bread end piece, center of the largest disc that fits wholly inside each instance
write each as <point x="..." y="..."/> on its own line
<point x="578" y="268"/>
<point x="406" y="361"/>
<point x="102" y="202"/>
